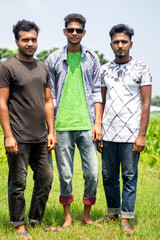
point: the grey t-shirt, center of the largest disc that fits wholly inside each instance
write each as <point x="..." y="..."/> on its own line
<point x="27" y="82"/>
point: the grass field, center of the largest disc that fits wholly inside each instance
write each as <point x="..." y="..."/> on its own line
<point x="147" y="219"/>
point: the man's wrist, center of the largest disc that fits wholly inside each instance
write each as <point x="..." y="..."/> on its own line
<point x="98" y="123"/>
<point x="8" y="135"/>
<point x="51" y="131"/>
<point x="141" y="135"/>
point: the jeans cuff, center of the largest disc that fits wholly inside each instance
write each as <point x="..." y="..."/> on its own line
<point x="114" y="211"/>
<point x="17" y="224"/>
<point x="34" y="221"/>
<point x="66" y="199"/>
<point x="127" y="215"/>
<point x="89" y="200"/>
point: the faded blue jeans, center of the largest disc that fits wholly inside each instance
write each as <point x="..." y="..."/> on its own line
<point x="115" y="154"/>
<point x="64" y="151"/>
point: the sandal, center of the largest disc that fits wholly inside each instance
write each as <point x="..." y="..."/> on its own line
<point x="127" y="229"/>
<point x="45" y="227"/>
<point x="49" y="228"/>
<point x="64" y="228"/>
<point x="90" y="222"/>
<point x="24" y="235"/>
<point x="110" y="218"/>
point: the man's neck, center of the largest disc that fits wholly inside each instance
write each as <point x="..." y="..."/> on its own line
<point x="73" y="48"/>
<point x="123" y="60"/>
<point x="24" y="58"/>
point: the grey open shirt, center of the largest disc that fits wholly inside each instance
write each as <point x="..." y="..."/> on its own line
<point x="90" y="66"/>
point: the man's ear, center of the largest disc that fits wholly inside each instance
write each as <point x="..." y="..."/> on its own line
<point x="84" y="32"/>
<point x="131" y="44"/>
<point x="64" y="31"/>
<point x="111" y="46"/>
<point x="16" y="41"/>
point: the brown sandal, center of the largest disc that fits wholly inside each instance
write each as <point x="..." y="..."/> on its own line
<point x="127" y="229"/>
<point x="90" y="222"/>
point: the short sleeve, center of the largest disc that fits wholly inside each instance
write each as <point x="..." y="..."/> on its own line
<point x="48" y="83"/>
<point x="146" y="76"/>
<point x="102" y="71"/>
<point x="4" y="76"/>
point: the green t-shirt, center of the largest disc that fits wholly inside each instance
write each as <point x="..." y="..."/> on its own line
<point x="73" y="111"/>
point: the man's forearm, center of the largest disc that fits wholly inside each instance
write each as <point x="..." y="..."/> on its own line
<point x="4" y="119"/>
<point x="144" y="120"/>
<point x="97" y="128"/>
<point x="98" y="113"/>
<point x="50" y="116"/>
<point x="145" y="113"/>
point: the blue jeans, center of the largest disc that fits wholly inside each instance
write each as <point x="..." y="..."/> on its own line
<point x="40" y="160"/>
<point x="64" y="151"/>
<point x="113" y="155"/>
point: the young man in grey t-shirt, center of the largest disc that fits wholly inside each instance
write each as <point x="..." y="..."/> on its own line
<point x="26" y="106"/>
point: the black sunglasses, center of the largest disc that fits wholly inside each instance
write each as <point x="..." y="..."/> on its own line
<point x="78" y="30"/>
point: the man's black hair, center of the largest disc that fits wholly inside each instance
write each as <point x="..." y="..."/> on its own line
<point x="24" y="25"/>
<point x="121" y="28"/>
<point x="74" y="17"/>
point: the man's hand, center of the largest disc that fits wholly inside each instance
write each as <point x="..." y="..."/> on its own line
<point x="97" y="132"/>
<point x="52" y="141"/>
<point x="100" y="146"/>
<point x="11" y="145"/>
<point x="139" y="144"/>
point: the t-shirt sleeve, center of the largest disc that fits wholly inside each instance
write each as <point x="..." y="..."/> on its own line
<point x="48" y="82"/>
<point x="102" y="76"/>
<point x="4" y="76"/>
<point x="146" y="78"/>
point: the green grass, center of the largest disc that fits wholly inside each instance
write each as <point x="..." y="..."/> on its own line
<point x="147" y="219"/>
<point x="146" y="222"/>
<point x="151" y="154"/>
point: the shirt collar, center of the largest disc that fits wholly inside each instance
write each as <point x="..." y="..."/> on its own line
<point x="83" y="51"/>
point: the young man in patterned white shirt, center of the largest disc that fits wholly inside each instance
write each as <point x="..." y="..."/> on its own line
<point x="126" y="93"/>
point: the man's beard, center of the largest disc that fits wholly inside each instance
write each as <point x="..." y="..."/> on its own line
<point x="120" y="56"/>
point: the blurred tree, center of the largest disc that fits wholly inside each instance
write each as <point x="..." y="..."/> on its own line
<point x="5" y="53"/>
<point x="155" y="101"/>
<point x="101" y="58"/>
<point x="44" y="54"/>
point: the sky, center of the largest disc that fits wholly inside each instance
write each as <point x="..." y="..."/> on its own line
<point x="142" y="15"/>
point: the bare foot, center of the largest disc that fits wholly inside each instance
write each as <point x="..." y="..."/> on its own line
<point x="67" y="221"/>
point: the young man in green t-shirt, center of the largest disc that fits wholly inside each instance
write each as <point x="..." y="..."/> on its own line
<point x="76" y="92"/>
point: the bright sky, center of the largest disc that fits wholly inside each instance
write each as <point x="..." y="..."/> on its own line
<point x="142" y="15"/>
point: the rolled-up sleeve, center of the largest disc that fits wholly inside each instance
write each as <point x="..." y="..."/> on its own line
<point x="96" y="81"/>
<point x="50" y="63"/>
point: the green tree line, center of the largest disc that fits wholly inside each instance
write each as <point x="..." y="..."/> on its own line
<point x="5" y="53"/>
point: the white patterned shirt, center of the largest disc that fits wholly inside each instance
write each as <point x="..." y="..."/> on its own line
<point x="122" y="112"/>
